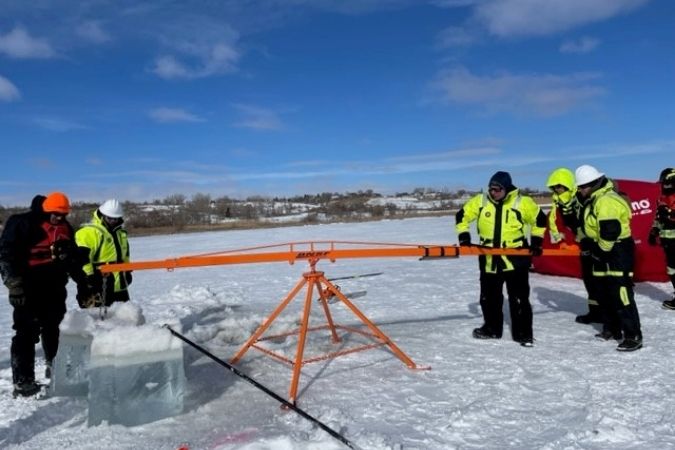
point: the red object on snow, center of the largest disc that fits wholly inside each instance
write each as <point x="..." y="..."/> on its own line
<point x="650" y="263"/>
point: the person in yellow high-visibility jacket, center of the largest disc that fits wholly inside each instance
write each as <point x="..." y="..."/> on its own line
<point x="566" y="204"/>
<point x="606" y="219"/>
<point x="503" y="216"/>
<point x="106" y="239"/>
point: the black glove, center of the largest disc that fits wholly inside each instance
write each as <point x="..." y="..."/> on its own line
<point x="464" y="238"/>
<point x="653" y="234"/>
<point x="63" y="250"/>
<point x="17" y="297"/>
<point x="88" y="296"/>
<point x="89" y="291"/>
<point x="537" y="247"/>
<point x="586" y="245"/>
<point x="128" y="278"/>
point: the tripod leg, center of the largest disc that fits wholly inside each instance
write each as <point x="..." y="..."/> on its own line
<point x="373" y="328"/>
<point x="265" y="325"/>
<point x="297" y="366"/>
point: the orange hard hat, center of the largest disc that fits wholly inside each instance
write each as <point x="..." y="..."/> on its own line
<point x="56" y="202"/>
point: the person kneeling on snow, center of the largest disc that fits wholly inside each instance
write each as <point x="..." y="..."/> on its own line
<point x="106" y="239"/>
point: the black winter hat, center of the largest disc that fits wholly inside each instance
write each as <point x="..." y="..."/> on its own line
<point x="502" y="179"/>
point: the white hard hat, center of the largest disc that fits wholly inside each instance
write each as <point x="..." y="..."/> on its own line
<point x="111" y="208"/>
<point x="586" y="174"/>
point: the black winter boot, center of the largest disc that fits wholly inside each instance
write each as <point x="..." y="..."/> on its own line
<point x="669" y="304"/>
<point x="484" y="333"/>
<point x="26" y="388"/>
<point x="630" y="344"/>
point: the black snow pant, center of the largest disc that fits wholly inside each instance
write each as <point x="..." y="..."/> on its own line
<point x="593" y="288"/>
<point x="37" y="320"/>
<point x="492" y="300"/>
<point x="617" y="301"/>
<point x="669" y="249"/>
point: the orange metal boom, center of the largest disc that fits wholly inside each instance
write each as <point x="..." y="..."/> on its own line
<point x="327" y="250"/>
<point x="313" y="252"/>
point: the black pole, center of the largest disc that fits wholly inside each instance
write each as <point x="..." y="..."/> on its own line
<point x="281" y="400"/>
<point x="351" y="277"/>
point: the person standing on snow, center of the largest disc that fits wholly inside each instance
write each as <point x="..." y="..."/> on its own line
<point x="502" y="216"/>
<point x="37" y="253"/>
<point x="663" y="228"/>
<point x="567" y="204"/>
<point x="606" y="224"/>
<point x="106" y="239"/>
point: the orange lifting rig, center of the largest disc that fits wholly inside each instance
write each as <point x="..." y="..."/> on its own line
<point x="313" y="252"/>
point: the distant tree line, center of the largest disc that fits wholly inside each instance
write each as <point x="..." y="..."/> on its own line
<point x="177" y="212"/>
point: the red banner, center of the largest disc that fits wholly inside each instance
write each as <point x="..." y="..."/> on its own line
<point x="650" y="263"/>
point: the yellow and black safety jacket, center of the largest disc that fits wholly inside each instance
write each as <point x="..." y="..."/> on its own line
<point x="502" y="224"/>
<point x="606" y="217"/>
<point x="105" y="246"/>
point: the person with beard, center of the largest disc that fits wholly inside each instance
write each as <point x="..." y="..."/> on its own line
<point x="503" y="216"/>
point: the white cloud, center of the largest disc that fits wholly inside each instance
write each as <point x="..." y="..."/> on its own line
<point x="170" y="115"/>
<point x="217" y="60"/>
<point x="21" y="45"/>
<point x="582" y="45"/>
<point x="507" y="18"/>
<point x="197" y="48"/>
<point x="544" y="95"/>
<point x="8" y="92"/>
<point x="59" y="125"/>
<point x="258" y="118"/>
<point x="92" y="31"/>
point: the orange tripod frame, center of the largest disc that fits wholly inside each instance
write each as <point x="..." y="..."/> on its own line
<point x="313" y="252"/>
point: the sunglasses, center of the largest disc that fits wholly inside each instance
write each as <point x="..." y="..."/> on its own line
<point x="586" y="186"/>
<point x="58" y="215"/>
<point x="495" y="189"/>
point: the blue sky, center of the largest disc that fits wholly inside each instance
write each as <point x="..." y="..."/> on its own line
<point x="140" y="100"/>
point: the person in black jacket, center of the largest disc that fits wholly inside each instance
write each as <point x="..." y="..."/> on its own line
<point x="37" y="253"/>
<point x="663" y="229"/>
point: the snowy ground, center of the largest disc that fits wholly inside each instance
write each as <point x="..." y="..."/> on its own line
<point x="569" y="391"/>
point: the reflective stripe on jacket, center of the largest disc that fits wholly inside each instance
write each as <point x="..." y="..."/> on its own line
<point x="502" y="224"/>
<point x="606" y="217"/>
